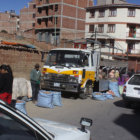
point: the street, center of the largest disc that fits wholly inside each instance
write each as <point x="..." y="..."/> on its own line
<point x="111" y="120"/>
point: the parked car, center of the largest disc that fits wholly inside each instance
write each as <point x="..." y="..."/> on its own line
<point x="15" y="125"/>
<point x="131" y="92"/>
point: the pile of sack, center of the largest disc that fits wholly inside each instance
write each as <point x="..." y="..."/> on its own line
<point x="110" y="94"/>
<point x="49" y="99"/>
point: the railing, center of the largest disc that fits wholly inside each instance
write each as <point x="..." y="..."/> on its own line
<point x="132" y="35"/>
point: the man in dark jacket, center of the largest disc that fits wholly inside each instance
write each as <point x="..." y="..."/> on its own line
<point x="35" y="77"/>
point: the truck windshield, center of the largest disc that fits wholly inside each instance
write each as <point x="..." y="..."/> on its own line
<point x="64" y="58"/>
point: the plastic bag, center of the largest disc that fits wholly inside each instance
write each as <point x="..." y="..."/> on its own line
<point x="114" y="87"/>
<point x="45" y="99"/>
<point x="57" y="98"/>
<point x="98" y="96"/>
<point x="20" y="105"/>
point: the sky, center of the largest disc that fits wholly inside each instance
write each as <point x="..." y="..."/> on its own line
<point x="7" y="5"/>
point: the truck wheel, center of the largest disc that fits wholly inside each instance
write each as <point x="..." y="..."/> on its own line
<point x="88" y="90"/>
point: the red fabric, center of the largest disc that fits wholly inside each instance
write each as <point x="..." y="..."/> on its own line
<point x="6" y="97"/>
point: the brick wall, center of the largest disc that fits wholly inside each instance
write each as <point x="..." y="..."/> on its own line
<point x="20" y="61"/>
<point x="27" y="16"/>
<point x="8" y="22"/>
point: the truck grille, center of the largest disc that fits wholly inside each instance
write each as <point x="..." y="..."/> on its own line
<point x="58" y="77"/>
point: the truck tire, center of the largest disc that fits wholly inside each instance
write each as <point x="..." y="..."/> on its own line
<point x="88" y="90"/>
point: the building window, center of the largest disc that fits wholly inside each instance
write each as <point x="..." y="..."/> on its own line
<point x="39" y="10"/>
<point x="131" y="46"/>
<point x="47" y="1"/>
<point x="51" y="19"/>
<point x="100" y="28"/>
<point x="91" y="28"/>
<point x="33" y="15"/>
<point x="102" y="43"/>
<point x="113" y="12"/>
<point x="101" y="13"/>
<point x="51" y="7"/>
<point x="33" y="24"/>
<point x="131" y="12"/>
<point x="34" y="6"/>
<point x="92" y="14"/>
<point x="111" y="28"/>
<point x="39" y="21"/>
<point x="56" y="8"/>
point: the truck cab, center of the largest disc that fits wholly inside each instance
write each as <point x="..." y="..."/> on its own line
<point x="70" y="70"/>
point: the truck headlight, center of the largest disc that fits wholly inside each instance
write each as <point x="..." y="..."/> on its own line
<point x="46" y="76"/>
<point x="73" y="79"/>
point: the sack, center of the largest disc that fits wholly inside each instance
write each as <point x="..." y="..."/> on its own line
<point x="114" y="87"/>
<point x="108" y="96"/>
<point x="45" y="99"/>
<point x="20" y="105"/>
<point x="98" y="96"/>
<point x="57" y="98"/>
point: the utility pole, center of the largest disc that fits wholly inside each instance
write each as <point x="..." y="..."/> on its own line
<point x="55" y="40"/>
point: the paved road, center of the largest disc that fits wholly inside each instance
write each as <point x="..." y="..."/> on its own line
<point x="111" y="120"/>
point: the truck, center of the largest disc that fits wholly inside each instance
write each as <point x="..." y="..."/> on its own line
<point x="71" y="70"/>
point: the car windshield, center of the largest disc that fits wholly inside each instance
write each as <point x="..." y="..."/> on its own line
<point x="64" y="58"/>
<point x="12" y="129"/>
<point x="135" y="80"/>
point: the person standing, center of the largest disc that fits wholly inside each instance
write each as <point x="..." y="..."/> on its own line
<point x="6" y="81"/>
<point x="121" y="83"/>
<point x="35" y="77"/>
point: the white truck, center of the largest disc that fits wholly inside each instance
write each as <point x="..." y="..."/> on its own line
<point x="71" y="70"/>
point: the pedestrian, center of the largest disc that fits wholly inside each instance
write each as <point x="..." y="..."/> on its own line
<point x="6" y="81"/>
<point x="35" y="77"/>
<point x="121" y="83"/>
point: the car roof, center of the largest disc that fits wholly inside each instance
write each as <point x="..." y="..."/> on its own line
<point x="2" y="102"/>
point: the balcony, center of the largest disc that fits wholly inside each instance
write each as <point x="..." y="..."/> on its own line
<point x="132" y="35"/>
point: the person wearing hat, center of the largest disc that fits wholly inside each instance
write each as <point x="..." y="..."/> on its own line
<point x="35" y="77"/>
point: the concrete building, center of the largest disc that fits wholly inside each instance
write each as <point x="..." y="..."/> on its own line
<point x="9" y="22"/>
<point x="116" y="25"/>
<point x="27" y="19"/>
<point x="60" y="19"/>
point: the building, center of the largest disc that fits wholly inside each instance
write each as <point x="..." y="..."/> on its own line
<point x="107" y="2"/>
<point x="60" y="19"/>
<point x="116" y="25"/>
<point x="27" y="20"/>
<point x="9" y="22"/>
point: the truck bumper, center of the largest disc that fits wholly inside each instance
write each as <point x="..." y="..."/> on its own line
<point x="68" y="87"/>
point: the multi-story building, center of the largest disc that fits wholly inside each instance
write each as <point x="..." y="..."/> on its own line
<point x="60" y="19"/>
<point x="116" y="25"/>
<point x="9" y="22"/>
<point x="27" y="19"/>
<point x="107" y="2"/>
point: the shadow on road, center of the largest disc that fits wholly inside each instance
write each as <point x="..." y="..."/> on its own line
<point x="130" y="122"/>
<point x="69" y="95"/>
<point x="120" y="103"/>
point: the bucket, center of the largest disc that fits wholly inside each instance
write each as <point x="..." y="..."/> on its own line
<point x="20" y="105"/>
<point x="45" y="99"/>
<point x="57" y="101"/>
